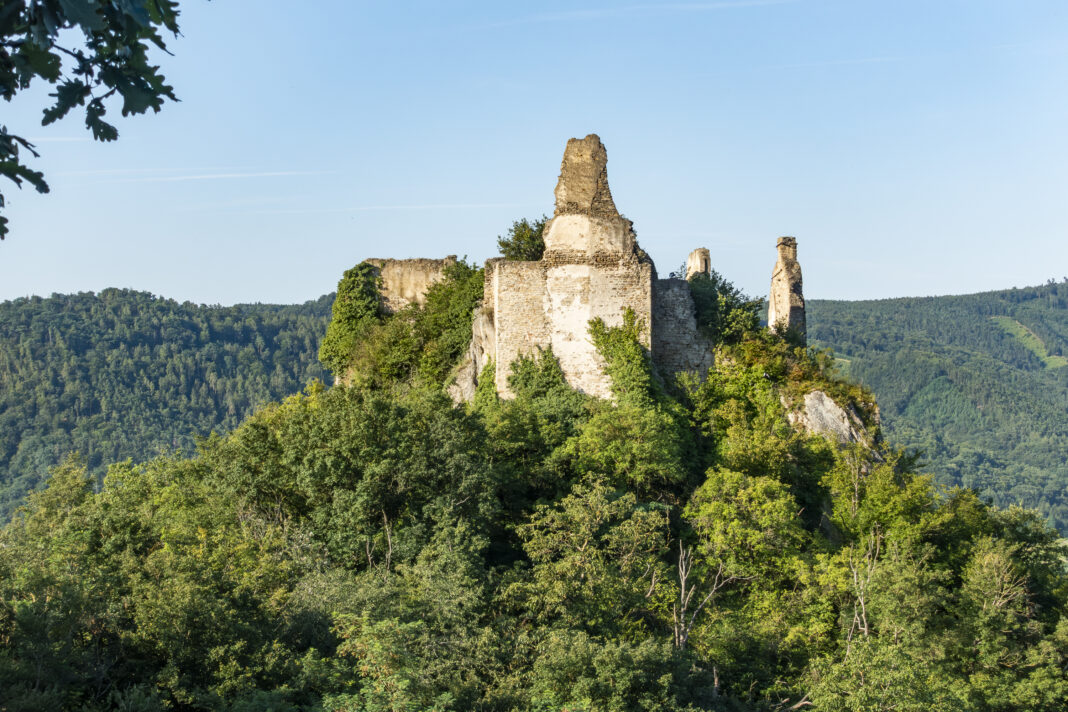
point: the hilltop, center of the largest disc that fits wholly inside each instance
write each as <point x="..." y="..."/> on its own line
<point x="978" y="383"/>
<point x="949" y="377"/>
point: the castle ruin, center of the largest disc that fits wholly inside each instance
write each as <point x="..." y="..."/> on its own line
<point x="786" y="303"/>
<point x="405" y="282"/>
<point x="592" y="267"/>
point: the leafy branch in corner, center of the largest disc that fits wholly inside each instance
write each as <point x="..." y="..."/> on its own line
<point x="109" y="58"/>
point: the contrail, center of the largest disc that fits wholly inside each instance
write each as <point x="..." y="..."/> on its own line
<point x="220" y="176"/>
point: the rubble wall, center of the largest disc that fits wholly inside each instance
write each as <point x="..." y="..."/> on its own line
<point x="405" y="282"/>
<point x="677" y="345"/>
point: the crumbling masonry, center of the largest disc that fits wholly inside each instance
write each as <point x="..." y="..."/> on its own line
<point x="786" y="303"/>
<point x="592" y="268"/>
<point x="405" y="282"/>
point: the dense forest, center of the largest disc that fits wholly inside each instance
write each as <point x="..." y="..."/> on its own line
<point x="371" y="546"/>
<point x="123" y="374"/>
<point x="977" y="383"/>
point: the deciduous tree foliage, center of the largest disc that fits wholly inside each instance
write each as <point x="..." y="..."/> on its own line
<point x="90" y="51"/>
<point x="374" y="546"/>
<point x="525" y="241"/>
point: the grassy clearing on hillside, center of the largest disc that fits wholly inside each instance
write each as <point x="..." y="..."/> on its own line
<point x="1030" y="340"/>
<point x="984" y="408"/>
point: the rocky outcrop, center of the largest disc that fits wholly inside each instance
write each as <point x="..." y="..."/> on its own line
<point x="786" y="302"/>
<point x="405" y="282"/>
<point x="465" y="379"/>
<point x="818" y="414"/>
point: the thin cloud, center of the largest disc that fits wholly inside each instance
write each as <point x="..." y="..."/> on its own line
<point x="927" y="57"/>
<point x="138" y="171"/>
<point x="221" y="176"/>
<point x="605" y="12"/>
<point x="370" y="208"/>
<point x="841" y="62"/>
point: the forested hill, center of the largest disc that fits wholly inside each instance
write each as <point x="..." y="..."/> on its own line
<point x="125" y="374"/>
<point x="374" y="548"/>
<point x="978" y="382"/>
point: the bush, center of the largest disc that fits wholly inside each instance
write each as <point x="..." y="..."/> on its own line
<point x="355" y="307"/>
<point x="724" y="313"/>
<point x="525" y="241"/>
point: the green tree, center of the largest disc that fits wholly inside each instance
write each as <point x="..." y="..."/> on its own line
<point x="109" y="58"/>
<point x="418" y="344"/>
<point x="595" y="559"/>
<point x="724" y="312"/>
<point x="356" y="306"/>
<point x="524" y="241"/>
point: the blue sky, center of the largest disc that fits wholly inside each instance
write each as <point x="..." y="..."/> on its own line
<point x="913" y="148"/>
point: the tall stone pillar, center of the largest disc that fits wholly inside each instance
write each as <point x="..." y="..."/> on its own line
<point x="786" y="303"/>
<point x="592" y="268"/>
<point x="699" y="262"/>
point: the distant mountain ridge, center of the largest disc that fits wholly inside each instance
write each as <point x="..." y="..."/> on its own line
<point x="123" y="374"/>
<point x="978" y="382"/>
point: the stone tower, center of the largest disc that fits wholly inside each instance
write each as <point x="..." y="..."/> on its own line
<point x="699" y="262"/>
<point x="592" y="268"/>
<point x="786" y="303"/>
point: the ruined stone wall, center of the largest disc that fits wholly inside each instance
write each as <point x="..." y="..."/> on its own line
<point x="517" y="293"/>
<point x="591" y="269"/>
<point x="405" y="282"/>
<point x="537" y="305"/>
<point x="677" y="345"/>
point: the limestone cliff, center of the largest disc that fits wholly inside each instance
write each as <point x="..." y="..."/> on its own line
<point x="819" y="414"/>
<point x="465" y="378"/>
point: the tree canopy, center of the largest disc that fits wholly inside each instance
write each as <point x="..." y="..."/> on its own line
<point x="681" y="547"/>
<point x="123" y="374"/>
<point x="976" y="383"/>
<point x="525" y="241"/>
